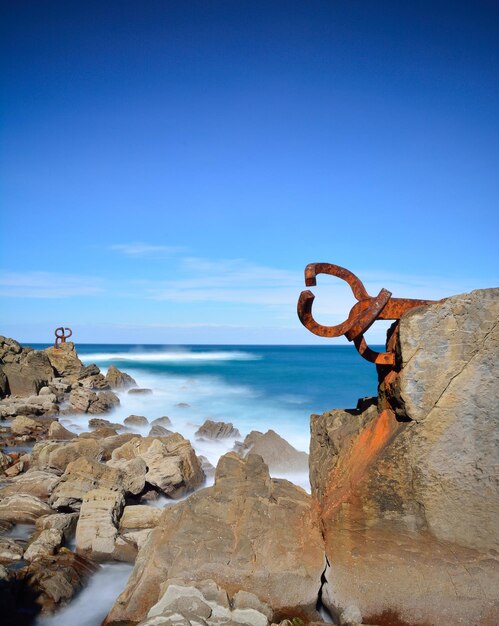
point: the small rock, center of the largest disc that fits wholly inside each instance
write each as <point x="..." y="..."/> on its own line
<point x="216" y="430"/>
<point x="140" y="390"/>
<point x="136" y="420"/>
<point x="10" y="551"/>
<point x="118" y="379"/>
<point x="162" y="421"/>
<point x="45" y="544"/>
<point x="159" y="431"/>
<point x="59" y="433"/>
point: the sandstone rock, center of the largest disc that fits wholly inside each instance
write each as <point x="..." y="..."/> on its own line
<point x="5" y="461"/>
<point x="23" y="425"/>
<point x="64" y="360"/>
<point x="103" y="432"/>
<point x="278" y="454"/>
<point x="56" y="456"/>
<point x="29" y="373"/>
<point x="22" y="508"/>
<point x="410" y="502"/>
<point x="207" y="467"/>
<point x="118" y="379"/>
<point x="159" y="431"/>
<point x="187" y="604"/>
<point x="10" y="551"/>
<point x="65" y="522"/>
<point x="87" y="401"/>
<point x="84" y="475"/>
<point x="172" y="465"/>
<point x="138" y="517"/>
<point x="58" y="432"/>
<point x="162" y="421"/>
<point x="248" y="532"/>
<point x="216" y="430"/>
<point x="44" y="545"/>
<point x="99" y="422"/>
<point x="54" y="580"/>
<point x="140" y="390"/>
<point x="96" y="530"/>
<point x="36" y="483"/>
<point x="136" y="420"/>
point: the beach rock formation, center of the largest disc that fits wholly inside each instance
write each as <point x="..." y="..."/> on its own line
<point x="407" y="483"/>
<point x="216" y="430"/>
<point x="172" y="465"/>
<point x="65" y="361"/>
<point x="117" y="379"/>
<point x="278" y="454"/>
<point x="247" y="533"/>
<point x="24" y="371"/>
<point x="85" y="400"/>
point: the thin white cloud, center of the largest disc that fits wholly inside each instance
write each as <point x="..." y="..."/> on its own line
<point x="139" y="249"/>
<point x="48" y="285"/>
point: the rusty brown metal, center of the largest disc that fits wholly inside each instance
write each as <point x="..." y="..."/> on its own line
<point x="60" y="336"/>
<point x="363" y="314"/>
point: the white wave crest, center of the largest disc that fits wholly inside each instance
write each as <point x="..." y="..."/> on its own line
<point x="169" y="356"/>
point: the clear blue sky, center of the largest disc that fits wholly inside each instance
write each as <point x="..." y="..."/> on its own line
<point x="169" y="168"/>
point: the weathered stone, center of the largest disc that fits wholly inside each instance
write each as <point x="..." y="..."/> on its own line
<point x="22" y="508"/>
<point x="199" y="605"/>
<point x="23" y="425"/>
<point x="159" y="431"/>
<point x="29" y="374"/>
<point x="410" y="503"/>
<point x="59" y="433"/>
<point x="248" y="532"/>
<point x="216" y="430"/>
<point x="140" y="390"/>
<point x="84" y="475"/>
<point x="99" y="422"/>
<point x="56" y="456"/>
<point x="54" y="580"/>
<point x="96" y="530"/>
<point x="65" y="522"/>
<point x="64" y="360"/>
<point x="278" y="454"/>
<point x="136" y="420"/>
<point x="45" y="544"/>
<point x="118" y="379"/>
<point x="5" y="461"/>
<point x="36" y="483"/>
<point x="162" y="421"/>
<point x="87" y="401"/>
<point x="10" y="551"/>
<point x="172" y="464"/>
<point x="138" y="517"/>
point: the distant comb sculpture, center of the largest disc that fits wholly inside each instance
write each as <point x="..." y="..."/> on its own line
<point x="363" y="314"/>
<point x="60" y="336"/>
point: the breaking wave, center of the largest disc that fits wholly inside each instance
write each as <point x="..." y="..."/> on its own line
<point x="180" y="356"/>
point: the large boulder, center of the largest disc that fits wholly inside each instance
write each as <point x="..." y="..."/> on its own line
<point x="117" y="379"/>
<point x="22" y="508"/>
<point x="85" y="400"/>
<point x="27" y="372"/>
<point x="407" y="486"/>
<point x="97" y="526"/>
<point x="278" y="454"/>
<point x="84" y="475"/>
<point x="55" y="456"/>
<point x="36" y="483"/>
<point x="64" y="360"/>
<point x="248" y="532"/>
<point x="172" y="464"/>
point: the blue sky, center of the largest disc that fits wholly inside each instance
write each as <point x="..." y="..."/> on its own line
<point x="169" y="168"/>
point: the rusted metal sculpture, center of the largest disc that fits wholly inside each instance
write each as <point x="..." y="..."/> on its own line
<point x="363" y="314"/>
<point x="60" y="336"/>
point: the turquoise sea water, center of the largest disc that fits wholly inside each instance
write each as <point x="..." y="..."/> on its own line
<point x="255" y="387"/>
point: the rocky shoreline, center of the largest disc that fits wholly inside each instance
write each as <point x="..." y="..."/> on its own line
<point x="401" y="527"/>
